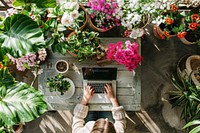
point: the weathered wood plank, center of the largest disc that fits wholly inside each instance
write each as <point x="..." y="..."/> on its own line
<point x="128" y="85"/>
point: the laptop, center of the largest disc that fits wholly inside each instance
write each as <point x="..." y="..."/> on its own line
<point x="97" y="78"/>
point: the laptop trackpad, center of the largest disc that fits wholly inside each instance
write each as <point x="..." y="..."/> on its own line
<point x="99" y="98"/>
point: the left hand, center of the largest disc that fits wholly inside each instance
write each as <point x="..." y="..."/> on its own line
<point x="87" y="94"/>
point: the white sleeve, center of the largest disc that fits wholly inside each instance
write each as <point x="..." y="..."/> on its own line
<point x="80" y="112"/>
<point x="120" y="119"/>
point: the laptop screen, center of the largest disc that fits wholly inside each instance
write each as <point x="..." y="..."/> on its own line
<point x="99" y="73"/>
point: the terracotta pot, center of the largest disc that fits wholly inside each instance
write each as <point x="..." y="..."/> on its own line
<point x="185" y="41"/>
<point x="192" y="66"/>
<point x="158" y="32"/>
<point x="19" y="128"/>
<point x="86" y="18"/>
<point x="93" y="26"/>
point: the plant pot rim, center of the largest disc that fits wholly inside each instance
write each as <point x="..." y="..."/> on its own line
<point x="65" y="63"/>
<point x="189" y="68"/>
<point x="97" y="28"/>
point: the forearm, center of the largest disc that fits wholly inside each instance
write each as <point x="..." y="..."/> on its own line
<point x="114" y="102"/>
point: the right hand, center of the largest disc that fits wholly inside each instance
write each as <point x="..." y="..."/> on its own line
<point x="109" y="92"/>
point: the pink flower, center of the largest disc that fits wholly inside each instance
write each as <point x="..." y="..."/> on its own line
<point x="126" y="54"/>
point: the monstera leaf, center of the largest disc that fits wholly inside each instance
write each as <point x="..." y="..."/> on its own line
<point x="21" y="35"/>
<point x="39" y="3"/>
<point x="20" y="103"/>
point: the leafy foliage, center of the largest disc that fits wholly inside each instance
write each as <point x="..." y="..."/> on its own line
<point x="20" y="102"/>
<point x="39" y="3"/>
<point x="21" y="35"/>
<point x="5" y="77"/>
<point x="193" y="123"/>
<point x="186" y="95"/>
<point x="58" y="83"/>
<point x="84" y="44"/>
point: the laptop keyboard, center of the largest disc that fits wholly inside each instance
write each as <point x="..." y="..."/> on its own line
<point x="98" y="87"/>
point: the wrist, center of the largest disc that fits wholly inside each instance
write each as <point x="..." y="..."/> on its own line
<point x="84" y="102"/>
<point x="114" y="102"/>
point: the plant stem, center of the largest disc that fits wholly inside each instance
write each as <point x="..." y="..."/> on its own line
<point x="35" y="76"/>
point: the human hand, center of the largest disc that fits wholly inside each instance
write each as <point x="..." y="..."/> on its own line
<point x="87" y="94"/>
<point x="110" y="95"/>
<point x="109" y="92"/>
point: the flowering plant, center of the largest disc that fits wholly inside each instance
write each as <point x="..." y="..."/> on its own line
<point x="136" y="14"/>
<point x="67" y="15"/>
<point x="190" y="27"/>
<point x="30" y="61"/>
<point x="104" y="13"/>
<point x="126" y="55"/>
<point x="172" y="19"/>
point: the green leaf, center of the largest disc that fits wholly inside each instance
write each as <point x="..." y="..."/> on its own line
<point x="5" y="77"/>
<point x="39" y="3"/>
<point x="22" y="103"/>
<point x="22" y="35"/>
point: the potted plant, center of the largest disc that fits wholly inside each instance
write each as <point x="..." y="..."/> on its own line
<point x="58" y="83"/>
<point x="83" y="44"/>
<point x="103" y="14"/>
<point x="195" y="124"/>
<point x="68" y="15"/>
<point x="126" y="54"/>
<point x="171" y="20"/>
<point x="193" y="68"/>
<point x="61" y="66"/>
<point x="189" y="32"/>
<point x="136" y="15"/>
<point x="186" y="95"/>
<point x="19" y="102"/>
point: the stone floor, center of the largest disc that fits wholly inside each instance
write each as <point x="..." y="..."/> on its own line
<point x="156" y="115"/>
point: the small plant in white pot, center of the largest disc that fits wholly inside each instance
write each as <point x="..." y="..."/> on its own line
<point x="63" y="86"/>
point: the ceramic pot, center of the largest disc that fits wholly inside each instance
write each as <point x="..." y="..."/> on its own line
<point x="61" y="66"/>
<point x="192" y="67"/>
<point x="158" y="32"/>
<point x="185" y="41"/>
<point x="190" y="38"/>
<point x="94" y="27"/>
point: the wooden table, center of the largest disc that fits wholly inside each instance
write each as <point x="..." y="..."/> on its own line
<point x="128" y="86"/>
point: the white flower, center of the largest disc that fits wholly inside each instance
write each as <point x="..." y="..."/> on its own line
<point x="66" y="19"/>
<point x="120" y="3"/>
<point x="67" y="5"/>
<point x="135" y="33"/>
<point x="74" y="14"/>
<point x="11" y="11"/>
<point x="75" y="5"/>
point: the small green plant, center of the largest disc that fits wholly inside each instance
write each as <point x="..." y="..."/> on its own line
<point x="84" y="44"/>
<point x="58" y="83"/>
<point x="187" y="96"/>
